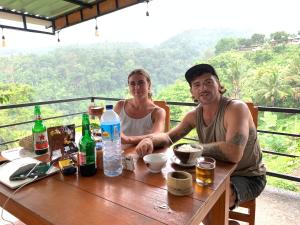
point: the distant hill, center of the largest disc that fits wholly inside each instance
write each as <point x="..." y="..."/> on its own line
<point x="102" y="69"/>
<point x="193" y="43"/>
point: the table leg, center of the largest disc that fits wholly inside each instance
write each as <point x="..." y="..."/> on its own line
<point x="219" y="213"/>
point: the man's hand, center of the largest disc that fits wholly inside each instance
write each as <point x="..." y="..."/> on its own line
<point x="145" y="147"/>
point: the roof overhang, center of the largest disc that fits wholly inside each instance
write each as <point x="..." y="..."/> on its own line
<point x="49" y="16"/>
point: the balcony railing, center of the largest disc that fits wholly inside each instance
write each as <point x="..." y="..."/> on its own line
<point x="170" y="103"/>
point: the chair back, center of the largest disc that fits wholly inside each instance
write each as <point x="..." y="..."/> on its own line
<point x="163" y="104"/>
<point x="254" y="112"/>
<point x="250" y="206"/>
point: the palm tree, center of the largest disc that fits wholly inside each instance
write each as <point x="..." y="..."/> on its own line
<point x="273" y="88"/>
<point x="235" y="72"/>
<point x="293" y="77"/>
<point x="232" y="67"/>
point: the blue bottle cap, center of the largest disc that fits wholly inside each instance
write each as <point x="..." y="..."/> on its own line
<point x="109" y="107"/>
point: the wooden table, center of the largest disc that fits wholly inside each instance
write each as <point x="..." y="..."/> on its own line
<point x="138" y="197"/>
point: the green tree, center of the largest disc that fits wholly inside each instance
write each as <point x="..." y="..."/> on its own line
<point x="179" y="91"/>
<point x="272" y="87"/>
<point x="258" y="39"/>
<point x="244" y="42"/>
<point x="16" y="93"/>
<point x="280" y="37"/>
<point x="225" y="44"/>
<point x="4" y="97"/>
<point x="232" y="69"/>
<point x="293" y="77"/>
<point x="260" y="57"/>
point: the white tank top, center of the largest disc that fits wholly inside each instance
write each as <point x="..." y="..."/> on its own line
<point x="135" y="127"/>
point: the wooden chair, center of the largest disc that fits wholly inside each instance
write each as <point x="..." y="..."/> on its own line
<point x="249" y="216"/>
<point x="164" y="105"/>
<point x="254" y="112"/>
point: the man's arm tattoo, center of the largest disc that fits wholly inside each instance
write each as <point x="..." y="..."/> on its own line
<point x="214" y="151"/>
<point x="180" y="134"/>
<point x="238" y="139"/>
<point x="252" y="136"/>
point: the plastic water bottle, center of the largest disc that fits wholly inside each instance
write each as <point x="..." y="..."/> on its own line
<point x="112" y="152"/>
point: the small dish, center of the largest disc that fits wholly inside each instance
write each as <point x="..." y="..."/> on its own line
<point x="177" y="161"/>
<point x="155" y="161"/>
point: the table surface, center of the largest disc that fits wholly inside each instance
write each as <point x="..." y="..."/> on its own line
<point x="138" y="197"/>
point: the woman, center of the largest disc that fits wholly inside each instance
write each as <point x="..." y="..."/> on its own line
<point x="139" y="115"/>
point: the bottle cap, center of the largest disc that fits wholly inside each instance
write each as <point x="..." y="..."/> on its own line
<point x="109" y="107"/>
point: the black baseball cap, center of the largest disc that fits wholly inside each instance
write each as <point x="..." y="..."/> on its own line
<point x="199" y="70"/>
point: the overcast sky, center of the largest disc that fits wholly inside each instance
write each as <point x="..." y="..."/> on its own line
<point x="170" y="17"/>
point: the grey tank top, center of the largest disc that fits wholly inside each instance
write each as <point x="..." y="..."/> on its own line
<point x="135" y="127"/>
<point x="251" y="162"/>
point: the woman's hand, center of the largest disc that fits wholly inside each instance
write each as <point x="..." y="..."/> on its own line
<point x="145" y="147"/>
<point x="125" y="139"/>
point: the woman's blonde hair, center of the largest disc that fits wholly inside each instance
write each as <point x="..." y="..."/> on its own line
<point x="145" y="74"/>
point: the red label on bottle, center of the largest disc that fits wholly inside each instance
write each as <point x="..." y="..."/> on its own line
<point x="40" y="141"/>
<point x="82" y="158"/>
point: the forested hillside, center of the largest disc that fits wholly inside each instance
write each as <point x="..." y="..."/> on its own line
<point x="101" y="70"/>
<point x="259" y="69"/>
<point x="94" y="70"/>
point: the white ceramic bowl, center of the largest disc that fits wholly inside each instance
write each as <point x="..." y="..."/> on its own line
<point x="156" y="161"/>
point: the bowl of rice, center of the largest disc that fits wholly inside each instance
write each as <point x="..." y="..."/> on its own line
<point x="187" y="153"/>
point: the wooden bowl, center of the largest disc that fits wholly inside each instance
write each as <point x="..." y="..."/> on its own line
<point x="188" y="157"/>
<point x="180" y="183"/>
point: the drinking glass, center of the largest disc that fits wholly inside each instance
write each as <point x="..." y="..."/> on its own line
<point x="205" y="170"/>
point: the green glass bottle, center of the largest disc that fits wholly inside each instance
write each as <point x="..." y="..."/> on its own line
<point x="87" y="151"/>
<point x="39" y="133"/>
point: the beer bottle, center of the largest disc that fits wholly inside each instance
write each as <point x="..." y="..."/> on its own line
<point x="39" y="133"/>
<point x="87" y="154"/>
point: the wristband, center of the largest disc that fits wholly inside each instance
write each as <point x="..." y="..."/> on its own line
<point x="170" y="139"/>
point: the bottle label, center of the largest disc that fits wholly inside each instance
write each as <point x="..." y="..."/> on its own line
<point x="81" y="158"/>
<point x="110" y="132"/>
<point x="40" y="141"/>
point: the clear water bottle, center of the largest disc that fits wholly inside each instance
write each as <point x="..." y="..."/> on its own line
<point x="112" y="152"/>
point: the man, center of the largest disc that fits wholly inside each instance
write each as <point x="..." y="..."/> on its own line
<point x="225" y="128"/>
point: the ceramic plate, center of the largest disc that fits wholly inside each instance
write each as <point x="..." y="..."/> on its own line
<point x="177" y="161"/>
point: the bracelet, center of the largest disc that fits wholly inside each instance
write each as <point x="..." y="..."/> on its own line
<point x="170" y="139"/>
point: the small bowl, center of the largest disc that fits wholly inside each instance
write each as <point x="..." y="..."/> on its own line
<point x="155" y="162"/>
<point x="180" y="183"/>
<point x="188" y="157"/>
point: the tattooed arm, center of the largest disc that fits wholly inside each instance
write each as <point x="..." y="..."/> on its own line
<point x="236" y="121"/>
<point x="147" y="145"/>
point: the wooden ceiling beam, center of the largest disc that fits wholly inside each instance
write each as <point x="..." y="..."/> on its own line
<point x="97" y="9"/>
